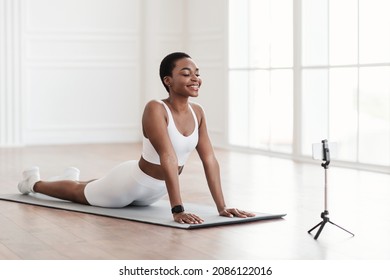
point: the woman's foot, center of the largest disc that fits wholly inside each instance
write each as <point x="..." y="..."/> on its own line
<point x="70" y="173"/>
<point x="30" y="177"/>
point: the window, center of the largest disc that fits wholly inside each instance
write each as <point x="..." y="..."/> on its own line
<point x="261" y="75"/>
<point x="339" y="75"/>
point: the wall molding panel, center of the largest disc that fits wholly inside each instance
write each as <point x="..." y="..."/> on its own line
<point x="80" y="49"/>
<point x="80" y="72"/>
<point x="81" y="17"/>
<point x="10" y="78"/>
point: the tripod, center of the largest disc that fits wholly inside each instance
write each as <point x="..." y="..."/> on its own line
<point x="324" y="215"/>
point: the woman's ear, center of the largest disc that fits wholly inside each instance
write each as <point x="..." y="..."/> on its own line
<point x="167" y="81"/>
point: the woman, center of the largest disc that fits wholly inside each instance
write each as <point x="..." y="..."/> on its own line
<point x="172" y="129"/>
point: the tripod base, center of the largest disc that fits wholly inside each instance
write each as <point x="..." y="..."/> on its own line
<point x="325" y="219"/>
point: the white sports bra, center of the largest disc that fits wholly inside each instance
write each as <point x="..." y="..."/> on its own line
<point x="183" y="145"/>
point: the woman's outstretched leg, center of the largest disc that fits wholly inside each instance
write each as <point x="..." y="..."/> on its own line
<point x="66" y="189"/>
<point x="63" y="189"/>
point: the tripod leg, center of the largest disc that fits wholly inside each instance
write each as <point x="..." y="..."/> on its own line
<point x="342" y="228"/>
<point x="315" y="227"/>
<point x="319" y="231"/>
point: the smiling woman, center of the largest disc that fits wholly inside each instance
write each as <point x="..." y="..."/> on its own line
<point x="172" y="129"/>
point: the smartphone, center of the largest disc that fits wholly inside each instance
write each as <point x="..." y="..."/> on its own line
<point x="318" y="150"/>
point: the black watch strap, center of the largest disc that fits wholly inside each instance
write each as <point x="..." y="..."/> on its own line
<point x="177" y="209"/>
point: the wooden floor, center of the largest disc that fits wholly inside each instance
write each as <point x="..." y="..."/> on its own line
<point x="358" y="201"/>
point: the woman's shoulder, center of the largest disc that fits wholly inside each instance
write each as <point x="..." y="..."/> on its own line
<point x="199" y="112"/>
<point x="154" y="108"/>
<point x="154" y="102"/>
<point x="197" y="107"/>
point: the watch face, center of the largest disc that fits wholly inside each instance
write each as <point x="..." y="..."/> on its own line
<point x="177" y="209"/>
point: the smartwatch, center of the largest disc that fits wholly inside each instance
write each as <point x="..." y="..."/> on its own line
<point x="177" y="209"/>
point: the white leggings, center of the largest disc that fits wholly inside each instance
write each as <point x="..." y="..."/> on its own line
<point x="125" y="184"/>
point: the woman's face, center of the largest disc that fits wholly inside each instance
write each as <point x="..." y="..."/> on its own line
<point x="185" y="80"/>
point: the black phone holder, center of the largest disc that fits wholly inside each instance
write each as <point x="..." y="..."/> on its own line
<point x="324" y="215"/>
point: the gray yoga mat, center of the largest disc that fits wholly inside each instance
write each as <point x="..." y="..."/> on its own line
<point x="157" y="213"/>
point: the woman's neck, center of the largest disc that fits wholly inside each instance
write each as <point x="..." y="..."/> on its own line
<point x="178" y="104"/>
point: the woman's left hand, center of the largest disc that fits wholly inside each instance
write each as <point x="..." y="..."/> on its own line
<point x="234" y="212"/>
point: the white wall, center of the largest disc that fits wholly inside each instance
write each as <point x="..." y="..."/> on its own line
<point x="207" y="23"/>
<point x="80" y="63"/>
<point x="80" y="71"/>
<point x="163" y="32"/>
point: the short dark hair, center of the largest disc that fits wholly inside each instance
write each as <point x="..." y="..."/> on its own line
<point x="168" y="63"/>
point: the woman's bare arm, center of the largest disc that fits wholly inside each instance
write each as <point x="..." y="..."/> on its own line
<point x="154" y="122"/>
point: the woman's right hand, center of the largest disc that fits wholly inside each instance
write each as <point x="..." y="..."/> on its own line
<point x="187" y="218"/>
